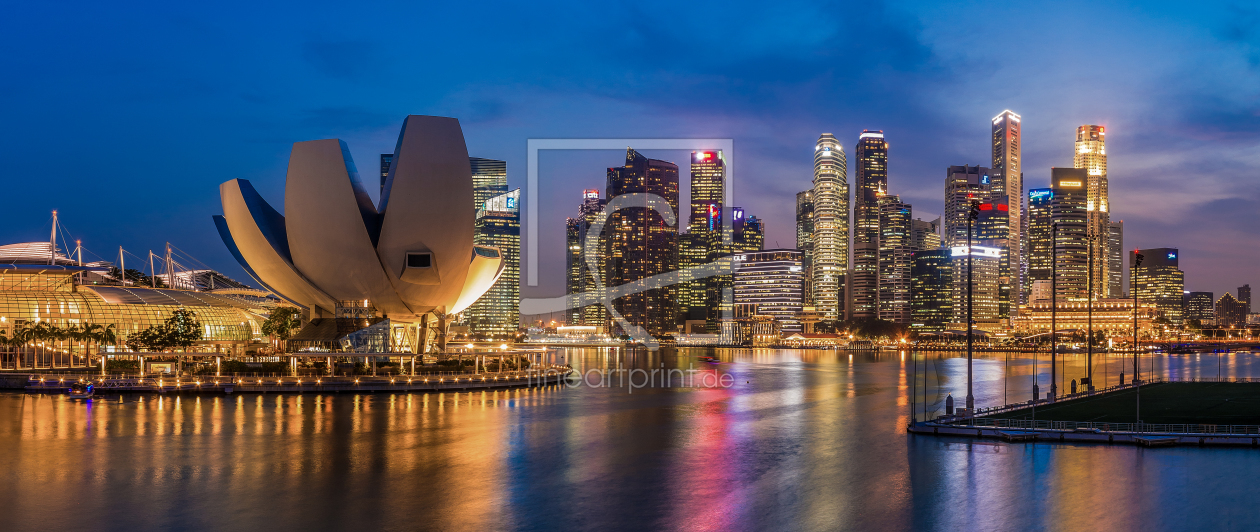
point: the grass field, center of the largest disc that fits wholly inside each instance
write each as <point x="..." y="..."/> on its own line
<point x="1174" y="402"/>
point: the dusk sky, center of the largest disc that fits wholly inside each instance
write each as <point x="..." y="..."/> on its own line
<point x="126" y="120"/>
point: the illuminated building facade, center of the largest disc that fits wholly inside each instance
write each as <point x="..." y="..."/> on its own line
<point x="1115" y="260"/>
<point x="497" y="312"/>
<point x="870" y="184"/>
<point x="1199" y="306"/>
<point x="805" y="237"/>
<point x="489" y="179"/>
<point x="1068" y="211"/>
<point x="1230" y="312"/>
<point x="963" y="184"/>
<point x="991" y="230"/>
<point x="1090" y="155"/>
<point x="895" y="250"/>
<point x="1008" y="188"/>
<point x="931" y="289"/>
<point x="1037" y="235"/>
<point x="386" y="160"/>
<point x="986" y="263"/>
<point x="580" y="277"/>
<point x="1244" y="296"/>
<point x="1114" y="317"/>
<point x="702" y="242"/>
<point x="769" y="283"/>
<point x="32" y="293"/>
<point x="1159" y="280"/>
<point x="640" y="244"/>
<point x="831" y="226"/>
<point x="925" y="235"/>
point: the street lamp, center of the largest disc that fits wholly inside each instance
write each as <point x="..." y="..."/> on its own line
<point x="972" y="215"/>
<point x="1054" y="306"/>
<point x="1137" y="381"/>
<point x="1089" y="356"/>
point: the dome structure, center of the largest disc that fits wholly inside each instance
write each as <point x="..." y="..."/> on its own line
<point x="410" y="255"/>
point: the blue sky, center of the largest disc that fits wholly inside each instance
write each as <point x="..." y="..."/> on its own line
<point x="126" y="119"/>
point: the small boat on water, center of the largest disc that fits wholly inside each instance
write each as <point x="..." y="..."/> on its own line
<point x="710" y="359"/>
<point x="80" y="390"/>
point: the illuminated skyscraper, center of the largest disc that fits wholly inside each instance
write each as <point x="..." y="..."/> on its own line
<point x="1037" y="237"/>
<point x="986" y="263"/>
<point x="870" y="184"/>
<point x="497" y="312"/>
<point x="931" y="289"/>
<point x="962" y="185"/>
<point x="992" y="229"/>
<point x="1008" y="188"/>
<point x="805" y="239"/>
<point x="640" y="244"/>
<point x="1244" y="296"/>
<point x="1230" y="312"/>
<point x="580" y="276"/>
<point x="1115" y="260"/>
<point x="894" y="259"/>
<point x="489" y="179"/>
<point x="1069" y="213"/>
<point x="925" y="235"/>
<point x="1159" y="280"/>
<point x="703" y="240"/>
<point x="768" y="283"/>
<point x="1198" y="306"/>
<point x="1091" y="156"/>
<point x="831" y="226"/>
<point x="386" y="160"/>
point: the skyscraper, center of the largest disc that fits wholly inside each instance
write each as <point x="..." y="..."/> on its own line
<point x="1244" y="296"/>
<point x="1008" y="188"/>
<point x="931" y="292"/>
<point x="805" y="239"/>
<point x="1115" y="260"/>
<point x="489" y="179"/>
<point x="746" y="235"/>
<point x="924" y="235"/>
<point x="870" y="184"/>
<point x="992" y="230"/>
<point x="703" y="240"/>
<point x="894" y="259"/>
<point x="768" y="283"/>
<point x="1159" y="280"/>
<point x="386" y="160"/>
<point x="1198" y="306"/>
<point x="1070" y="248"/>
<point x="580" y="275"/>
<point x="986" y="263"/>
<point x="831" y="226"/>
<point x="497" y="312"/>
<point x="640" y="244"/>
<point x="1037" y="238"/>
<point x="962" y="185"/>
<point x="1230" y="312"/>
<point x="1091" y="155"/>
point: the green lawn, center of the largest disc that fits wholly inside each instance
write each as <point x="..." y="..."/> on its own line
<point x="1188" y="402"/>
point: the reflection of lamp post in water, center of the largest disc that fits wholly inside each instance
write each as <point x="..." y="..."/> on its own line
<point x="971" y="218"/>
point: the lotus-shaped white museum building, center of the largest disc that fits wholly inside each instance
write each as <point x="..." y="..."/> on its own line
<point x="410" y="259"/>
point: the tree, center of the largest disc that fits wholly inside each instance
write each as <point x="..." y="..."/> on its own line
<point x="182" y="328"/>
<point x="281" y="323"/>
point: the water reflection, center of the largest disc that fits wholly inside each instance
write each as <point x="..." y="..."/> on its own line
<point x="800" y="440"/>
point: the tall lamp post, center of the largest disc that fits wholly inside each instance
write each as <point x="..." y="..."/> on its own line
<point x="1089" y="342"/>
<point x="971" y="218"/>
<point x="1054" y="306"/>
<point x="1137" y="381"/>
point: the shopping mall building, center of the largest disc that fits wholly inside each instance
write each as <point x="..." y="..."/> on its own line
<point x="37" y="286"/>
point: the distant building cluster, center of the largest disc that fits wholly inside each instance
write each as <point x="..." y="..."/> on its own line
<point x="1008" y="256"/>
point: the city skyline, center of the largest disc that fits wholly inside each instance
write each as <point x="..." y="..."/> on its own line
<point x="1180" y="167"/>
